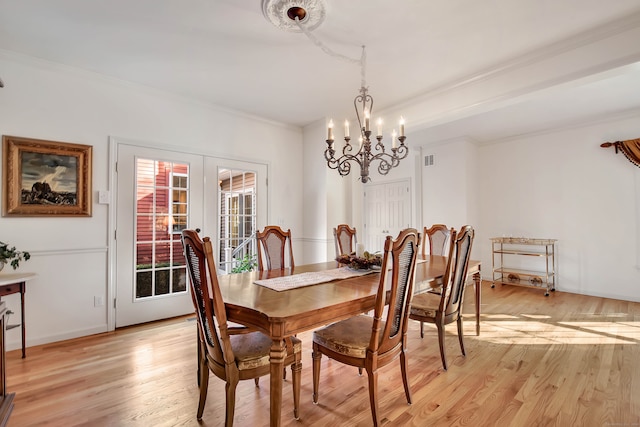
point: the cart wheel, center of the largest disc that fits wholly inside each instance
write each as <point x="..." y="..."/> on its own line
<point x="493" y="285"/>
<point x="546" y="294"/>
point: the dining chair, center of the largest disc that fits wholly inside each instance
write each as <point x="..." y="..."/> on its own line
<point x="373" y="342"/>
<point x="273" y="241"/>
<point x="439" y="237"/>
<point x="446" y="307"/>
<point x="345" y="239"/>
<point x="231" y="357"/>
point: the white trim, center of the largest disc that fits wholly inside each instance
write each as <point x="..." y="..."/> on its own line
<point x="637" y="187"/>
<point x="86" y="74"/>
<point x="72" y="251"/>
<point x="312" y="240"/>
<point x="582" y="40"/>
<point x="48" y="339"/>
<point x="111" y="235"/>
<point x="585" y="121"/>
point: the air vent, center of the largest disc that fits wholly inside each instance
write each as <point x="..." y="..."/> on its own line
<point x="428" y="160"/>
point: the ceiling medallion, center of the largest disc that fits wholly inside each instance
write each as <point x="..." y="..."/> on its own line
<point x="282" y="13"/>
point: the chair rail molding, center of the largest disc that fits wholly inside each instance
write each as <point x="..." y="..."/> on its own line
<point x="72" y="251"/>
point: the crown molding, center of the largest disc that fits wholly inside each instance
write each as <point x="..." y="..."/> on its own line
<point x="583" y="39"/>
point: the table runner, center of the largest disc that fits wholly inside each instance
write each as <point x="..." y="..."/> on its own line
<point x="300" y="280"/>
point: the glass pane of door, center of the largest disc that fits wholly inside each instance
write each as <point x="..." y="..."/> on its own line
<point x="237" y="234"/>
<point x="162" y="190"/>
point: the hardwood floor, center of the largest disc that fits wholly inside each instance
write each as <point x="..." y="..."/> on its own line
<point x="563" y="360"/>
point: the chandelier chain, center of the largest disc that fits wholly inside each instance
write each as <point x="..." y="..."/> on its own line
<point x="363" y="57"/>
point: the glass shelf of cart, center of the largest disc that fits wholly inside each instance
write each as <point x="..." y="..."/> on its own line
<point x="523" y="241"/>
<point x="519" y="252"/>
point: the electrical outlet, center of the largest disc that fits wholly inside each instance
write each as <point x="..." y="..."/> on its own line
<point x="98" y="301"/>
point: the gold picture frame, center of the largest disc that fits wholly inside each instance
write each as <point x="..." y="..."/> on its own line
<point x="45" y="178"/>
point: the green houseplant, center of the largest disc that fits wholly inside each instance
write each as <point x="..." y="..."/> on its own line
<point x="247" y="263"/>
<point x="12" y="256"/>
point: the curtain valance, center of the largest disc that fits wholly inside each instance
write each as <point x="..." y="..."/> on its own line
<point x="630" y="148"/>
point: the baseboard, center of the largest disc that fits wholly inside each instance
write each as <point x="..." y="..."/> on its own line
<point x="16" y="344"/>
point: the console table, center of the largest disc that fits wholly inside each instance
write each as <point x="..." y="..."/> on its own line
<point x="12" y="283"/>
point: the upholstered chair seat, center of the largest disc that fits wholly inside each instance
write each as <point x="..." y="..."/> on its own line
<point x="251" y="350"/>
<point x="425" y="304"/>
<point x="350" y="337"/>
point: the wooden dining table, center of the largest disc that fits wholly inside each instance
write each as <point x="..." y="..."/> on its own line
<point x="280" y="314"/>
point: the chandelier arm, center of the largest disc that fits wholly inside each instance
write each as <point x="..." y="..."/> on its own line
<point x="342" y="163"/>
<point x="346" y="149"/>
<point x="386" y="162"/>
<point x="402" y="151"/>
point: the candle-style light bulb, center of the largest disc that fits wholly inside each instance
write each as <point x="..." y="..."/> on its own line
<point x="401" y="126"/>
<point x="346" y="128"/>
<point x="366" y="120"/>
<point x="360" y="140"/>
<point x="380" y="127"/>
<point x="394" y="143"/>
<point x="330" y="130"/>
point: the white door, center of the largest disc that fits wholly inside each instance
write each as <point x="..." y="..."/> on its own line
<point x="159" y="193"/>
<point x="387" y="210"/>
<point x="236" y="207"/>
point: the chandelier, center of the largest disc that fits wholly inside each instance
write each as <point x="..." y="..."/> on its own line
<point x="304" y="16"/>
<point x="366" y="154"/>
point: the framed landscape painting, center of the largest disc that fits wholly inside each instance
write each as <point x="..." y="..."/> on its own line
<point x="45" y="178"/>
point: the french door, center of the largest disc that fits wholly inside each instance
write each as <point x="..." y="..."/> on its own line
<point x="387" y="210"/>
<point x="159" y="193"/>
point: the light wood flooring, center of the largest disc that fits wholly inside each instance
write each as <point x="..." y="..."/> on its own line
<point x="562" y="360"/>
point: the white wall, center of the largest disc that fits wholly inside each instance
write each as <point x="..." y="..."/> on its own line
<point x="562" y="185"/>
<point x="52" y="102"/>
<point x="449" y="184"/>
<point x="315" y="201"/>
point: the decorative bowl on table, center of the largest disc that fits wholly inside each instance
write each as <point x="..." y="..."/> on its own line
<point x="366" y="262"/>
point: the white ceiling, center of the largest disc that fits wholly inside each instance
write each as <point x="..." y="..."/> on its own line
<point x="226" y="53"/>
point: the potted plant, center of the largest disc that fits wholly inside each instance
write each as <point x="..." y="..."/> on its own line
<point x="11" y="255"/>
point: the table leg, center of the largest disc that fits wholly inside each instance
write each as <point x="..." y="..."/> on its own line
<point x="276" y="357"/>
<point x="24" y="334"/>
<point x="476" y="284"/>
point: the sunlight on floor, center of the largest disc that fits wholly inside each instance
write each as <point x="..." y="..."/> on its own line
<point x="507" y="329"/>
